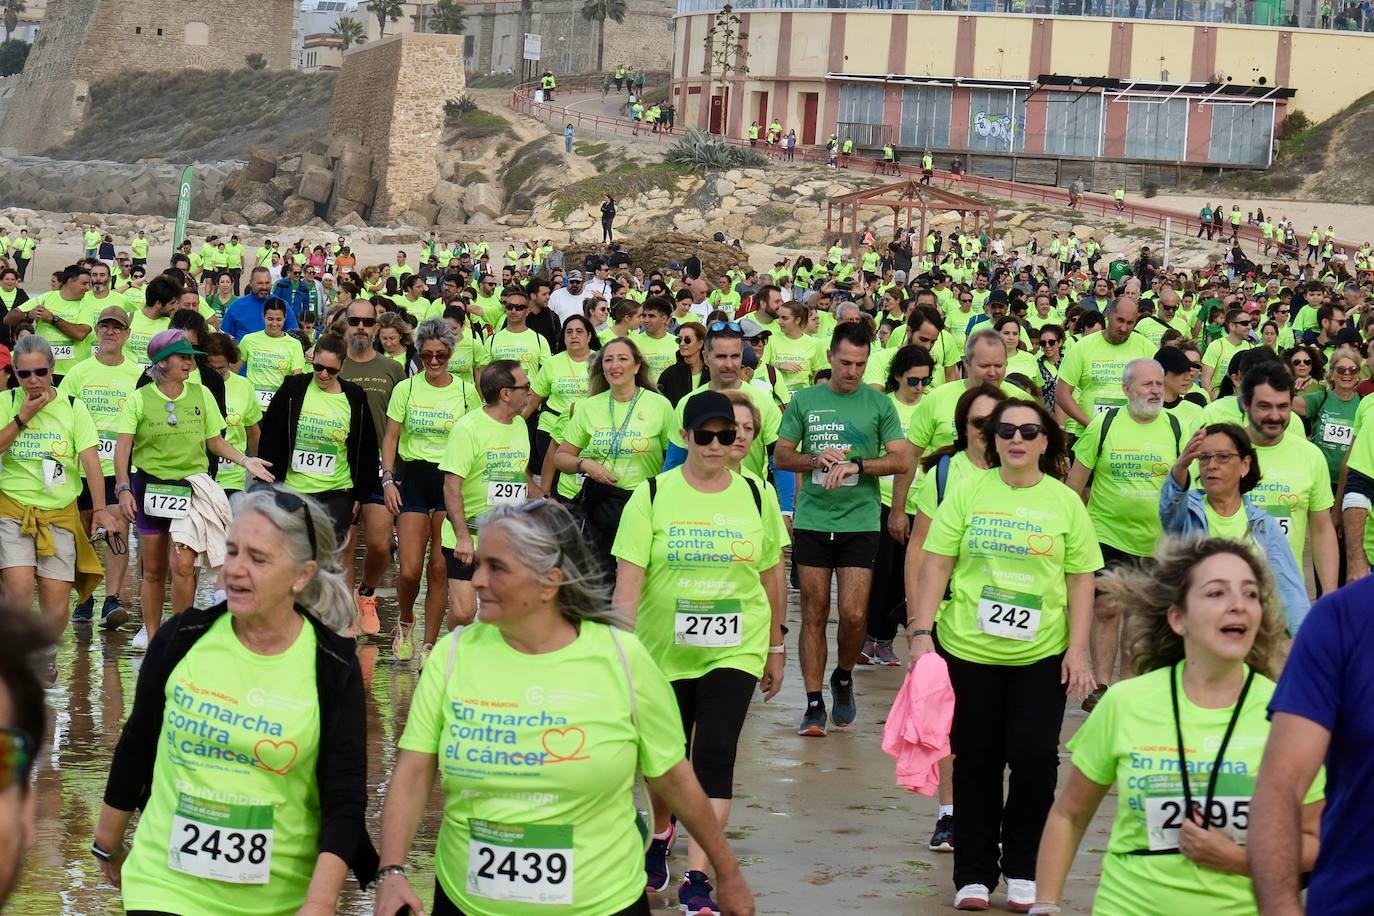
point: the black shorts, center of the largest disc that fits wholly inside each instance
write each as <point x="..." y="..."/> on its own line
<point x="834" y="549"/>
<point x="422" y="487"/>
<point x="1112" y="558"/>
<point x="339" y="505"/>
<point x="83" y="501"/>
<point x="457" y="570"/>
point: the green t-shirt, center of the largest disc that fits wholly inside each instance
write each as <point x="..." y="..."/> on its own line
<point x="1189" y="414"/>
<point x="770" y="419"/>
<point x="658" y="353"/>
<point x="932" y="423"/>
<point x="234" y="776"/>
<point x="469" y="352"/>
<point x="1235" y="526"/>
<point x="528" y="347"/>
<point x="40" y="467"/>
<point x="628" y="439"/>
<point x="1294" y="481"/>
<point x="92" y="239"/>
<point x="319" y="460"/>
<point x="171" y="451"/>
<point x="103" y="390"/>
<point x="1013" y="550"/>
<point x="1094" y="368"/>
<point x="1362" y="452"/>
<point x="269" y="360"/>
<point x="497" y="720"/>
<point x="860" y="423"/>
<point x="66" y="351"/>
<point x="806" y="354"/>
<point x="904" y="415"/>
<point x="427" y="414"/>
<point x="142" y="329"/>
<point x="1218" y="356"/>
<point x="702" y="605"/>
<point x="242" y="411"/>
<point x="561" y="382"/>
<point x="1333" y="426"/>
<point x="491" y="457"/>
<point x="1128" y="475"/>
<point x="139" y="248"/>
<point x="1129" y="741"/>
<point x="92" y="307"/>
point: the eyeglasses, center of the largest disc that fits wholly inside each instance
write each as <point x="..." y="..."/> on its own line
<point x="1029" y="431"/>
<point x="1196" y="367"/>
<point x="516" y="388"/>
<point x="40" y="373"/>
<point x="433" y="357"/>
<point x="1345" y="370"/>
<point x="1049" y="342"/>
<point x="1300" y="362"/>
<point x="114" y="541"/>
<point x="16" y="756"/>
<point x="704" y="436"/>
<point x="977" y="422"/>
<point x="1207" y="458"/>
<point x="917" y="381"/>
<point x="962" y="299"/>
<point x="290" y="502"/>
<point x="726" y="326"/>
<point x="1241" y="324"/>
<point x="515" y="307"/>
<point x="171" y="408"/>
<point x="327" y="370"/>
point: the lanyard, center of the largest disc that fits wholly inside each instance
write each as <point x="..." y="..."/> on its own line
<point x="1174" y="677"/>
<point x="618" y="435"/>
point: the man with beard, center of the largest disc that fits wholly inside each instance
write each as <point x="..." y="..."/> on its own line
<point x="244" y="314"/>
<point x="377" y="376"/>
<point x="1120" y="464"/>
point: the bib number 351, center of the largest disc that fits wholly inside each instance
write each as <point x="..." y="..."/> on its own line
<point x="521" y="863"/>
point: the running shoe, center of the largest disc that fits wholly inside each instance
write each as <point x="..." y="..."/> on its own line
<point x="842" y="711"/>
<point x="656" y="866"/>
<point x="84" y="611"/>
<point x="1020" y="895"/>
<point x="113" y="615"/>
<point x="869" y="651"/>
<point x="813" y="722"/>
<point x="672" y="833"/>
<point x="971" y="897"/>
<point x="402" y="643"/>
<point x="1091" y="700"/>
<point x="694" y="896"/>
<point x="367" y="615"/>
<point x="883" y="654"/>
<point x="140" y="640"/>
<point x="942" y="840"/>
<point x="424" y="654"/>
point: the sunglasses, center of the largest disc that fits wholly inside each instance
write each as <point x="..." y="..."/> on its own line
<point x="433" y="357"/>
<point x="354" y="321"/>
<point x="917" y="381"/>
<point x="1049" y="342"/>
<point x="290" y="502"/>
<point x="16" y="756"/>
<point x="40" y="373"/>
<point x="686" y="339"/>
<point x="1029" y="431"/>
<point x="516" y="307"/>
<point x="327" y="370"/>
<point x="726" y="326"/>
<point x="1301" y="362"/>
<point x="705" y="436"/>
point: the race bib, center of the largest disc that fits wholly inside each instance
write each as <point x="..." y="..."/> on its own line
<point x="1010" y="615"/>
<point x="221" y="842"/>
<point x="54" y="474"/>
<point x="226" y="465"/>
<point x="1337" y="434"/>
<point x="1165" y="812"/>
<point x="164" y="500"/>
<point x="818" y="478"/>
<point x="707" y="624"/>
<point x="521" y="863"/>
<point x="1283" y="515"/>
<point x="64" y="351"/>
<point x="265" y="397"/>
<point x="321" y="464"/>
<point x="1102" y="405"/>
<point x="507" y="492"/>
<point x="105" y="448"/>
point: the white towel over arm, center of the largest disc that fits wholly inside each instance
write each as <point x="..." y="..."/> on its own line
<point x="205" y="527"/>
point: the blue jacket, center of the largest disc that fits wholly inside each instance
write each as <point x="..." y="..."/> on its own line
<point x="1181" y="513"/>
<point x="244" y="316"/>
<point x="297" y="300"/>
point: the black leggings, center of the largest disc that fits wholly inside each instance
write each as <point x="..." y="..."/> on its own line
<point x="713" y="708"/>
<point x="887" y="595"/>
<point x="446" y="907"/>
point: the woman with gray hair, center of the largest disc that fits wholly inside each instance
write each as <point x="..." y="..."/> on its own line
<point x="492" y="716"/>
<point x="45" y="439"/>
<point x="246" y="745"/>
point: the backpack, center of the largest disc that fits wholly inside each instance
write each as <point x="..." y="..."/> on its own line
<point x="1107" y="425"/>
<point x="753" y="489"/>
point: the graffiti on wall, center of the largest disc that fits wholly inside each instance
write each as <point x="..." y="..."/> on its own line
<point x="997" y="127"/>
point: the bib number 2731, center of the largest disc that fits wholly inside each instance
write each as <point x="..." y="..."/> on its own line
<point x="524" y="863"/>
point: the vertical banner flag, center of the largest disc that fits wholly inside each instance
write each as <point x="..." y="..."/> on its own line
<point x="183" y="205"/>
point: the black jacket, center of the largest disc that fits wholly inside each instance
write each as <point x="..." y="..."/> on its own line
<point x="675" y="382"/>
<point x="280" y="423"/>
<point x="341" y="764"/>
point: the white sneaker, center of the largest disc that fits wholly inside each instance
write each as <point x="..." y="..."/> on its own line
<point x="1020" y="895"/>
<point x="972" y="897"/>
<point x="140" y="640"/>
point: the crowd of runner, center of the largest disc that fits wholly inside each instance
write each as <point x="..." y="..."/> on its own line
<point x="1070" y="475"/>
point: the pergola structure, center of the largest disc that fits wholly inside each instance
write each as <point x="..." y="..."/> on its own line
<point x="907" y="197"/>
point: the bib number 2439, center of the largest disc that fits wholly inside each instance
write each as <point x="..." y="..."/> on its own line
<point x="525" y="863"/>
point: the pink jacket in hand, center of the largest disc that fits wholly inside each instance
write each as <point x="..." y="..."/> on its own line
<point x="917" y="729"/>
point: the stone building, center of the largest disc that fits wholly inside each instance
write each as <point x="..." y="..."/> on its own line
<point x="82" y="42"/>
<point x="643" y="41"/>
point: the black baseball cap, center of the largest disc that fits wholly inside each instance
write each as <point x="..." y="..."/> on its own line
<point x="1174" y="360"/>
<point x="708" y="405"/>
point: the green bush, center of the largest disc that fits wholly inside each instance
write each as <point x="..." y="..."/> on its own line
<point x="1293" y="124"/>
<point x="702" y="153"/>
<point x="255" y="61"/>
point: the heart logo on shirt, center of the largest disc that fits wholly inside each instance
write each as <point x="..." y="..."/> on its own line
<point x="1159" y="468"/>
<point x="448" y="424"/>
<point x="1291" y="500"/>
<point x="60" y="448"/>
<point x="564" y="744"/>
<point x="276" y="756"/>
<point x="743" y="550"/>
<point x="338" y="436"/>
<point x="1040" y="545"/>
<point x="233" y="418"/>
<point x="639" y="444"/>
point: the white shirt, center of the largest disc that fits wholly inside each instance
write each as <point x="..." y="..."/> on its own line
<point x="565" y="303"/>
<point x="594" y="286"/>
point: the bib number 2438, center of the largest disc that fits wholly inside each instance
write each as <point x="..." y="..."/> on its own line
<point x="221" y="842"/>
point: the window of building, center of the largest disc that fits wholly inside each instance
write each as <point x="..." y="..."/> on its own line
<point x="1073" y="123"/>
<point x="997" y="120"/>
<point x="197" y="33"/>
<point x="925" y="116"/>
<point x="138" y="30"/>
<point x="861" y="113"/>
<point x="1241" y="133"/>
<point x="159" y="32"/>
<point x="1156" y="130"/>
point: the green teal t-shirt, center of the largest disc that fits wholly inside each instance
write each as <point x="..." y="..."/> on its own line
<point x="427" y="414"/>
<point x="491" y="457"/>
<point x="1128" y="475"/>
<point x="232" y="825"/>
<point x="1013" y="549"/>
<point x="860" y="422"/>
<point x="1333" y="426"/>
<point x="537" y="757"/>
<point x="319" y="460"/>
<point x="702" y="605"/>
<point x="628" y="439"/>
<point x="40" y="467"/>
<point x="1129" y="741"/>
<point x="103" y="389"/>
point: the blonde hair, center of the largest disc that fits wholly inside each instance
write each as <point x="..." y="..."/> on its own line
<point x="1148" y="589"/>
<point x="1345" y="351"/>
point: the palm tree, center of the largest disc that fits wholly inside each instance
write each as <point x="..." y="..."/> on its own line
<point x="12" y="10"/>
<point x="384" y="10"/>
<point x="599" y="11"/>
<point x="350" y="31"/>
<point x="447" y="18"/>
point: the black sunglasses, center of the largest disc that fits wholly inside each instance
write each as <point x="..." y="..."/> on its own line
<point x="25" y="373"/>
<point x="1049" y="341"/>
<point x="1029" y="431"/>
<point x="290" y="502"/>
<point x="327" y="370"/>
<point x="704" y="436"/>
<point x="354" y="321"/>
<point x="917" y="381"/>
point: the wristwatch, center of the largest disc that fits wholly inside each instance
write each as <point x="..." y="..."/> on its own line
<point x="386" y="872"/>
<point x="860" y="463"/>
<point x="912" y="634"/>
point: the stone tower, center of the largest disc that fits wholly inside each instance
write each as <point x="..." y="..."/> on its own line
<point x="85" y="41"/>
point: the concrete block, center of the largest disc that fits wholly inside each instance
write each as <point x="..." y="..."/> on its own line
<point x="262" y="164"/>
<point x="316" y="184"/>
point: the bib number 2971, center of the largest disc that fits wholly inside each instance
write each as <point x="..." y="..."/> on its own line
<point x="523" y="863"/>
